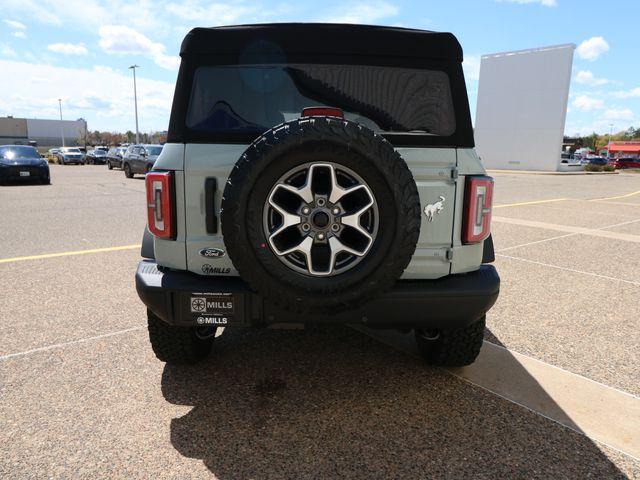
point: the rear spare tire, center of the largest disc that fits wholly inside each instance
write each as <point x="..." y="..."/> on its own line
<point x="320" y="215"/>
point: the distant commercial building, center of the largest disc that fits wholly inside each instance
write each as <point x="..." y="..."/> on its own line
<point x="622" y="149"/>
<point x="47" y="133"/>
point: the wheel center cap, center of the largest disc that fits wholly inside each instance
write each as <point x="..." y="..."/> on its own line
<point x="320" y="219"/>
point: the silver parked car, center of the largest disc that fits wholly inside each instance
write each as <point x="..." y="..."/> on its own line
<point x="67" y="155"/>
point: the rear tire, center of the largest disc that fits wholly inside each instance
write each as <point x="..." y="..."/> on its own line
<point x="179" y="345"/>
<point x="109" y="166"/>
<point x="456" y="347"/>
<point x="127" y="171"/>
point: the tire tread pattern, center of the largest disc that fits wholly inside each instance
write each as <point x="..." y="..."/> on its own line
<point x="341" y="133"/>
<point x="457" y="347"/>
<point x="174" y="344"/>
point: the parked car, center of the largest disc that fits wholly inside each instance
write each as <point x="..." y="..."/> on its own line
<point x="68" y="155"/>
<point x="627" y="162"/>
<point x="21" y="162"/>
<point x="265" y="207"/>
<point x="114" y="157"/>
<point x="593" y="160"/>
<point x="51" y="154"/>
<point x="97" y="156"/>
<point x="140" y="159"/>
<point x="569" y="159"/>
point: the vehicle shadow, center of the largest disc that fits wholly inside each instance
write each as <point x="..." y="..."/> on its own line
<point x="330" y="402"/>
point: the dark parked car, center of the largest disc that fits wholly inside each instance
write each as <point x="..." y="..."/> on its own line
<point x="597" y="161"/>
<point x="20" y="163"/>
<point x="97" y="156"/>
<point x="114" y="157"/>
<point x="625" y="162"/>
<point x="140" y="159"/>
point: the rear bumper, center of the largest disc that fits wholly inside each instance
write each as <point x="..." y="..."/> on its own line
<point x="183" y="298"/>
<point x="13" y="173"/>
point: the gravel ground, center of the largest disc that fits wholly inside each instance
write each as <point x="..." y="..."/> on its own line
<point x="316" y="403"/>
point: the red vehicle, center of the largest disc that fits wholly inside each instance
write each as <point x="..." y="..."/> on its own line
<point x="625" y="162"/>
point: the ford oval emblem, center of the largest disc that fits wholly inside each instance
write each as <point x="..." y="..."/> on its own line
<point x="211" y="252"/>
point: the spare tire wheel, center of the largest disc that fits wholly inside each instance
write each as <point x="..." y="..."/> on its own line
<point x="320" y="215"/>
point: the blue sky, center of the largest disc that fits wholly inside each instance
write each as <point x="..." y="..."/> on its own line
<point x="79" y="50"/>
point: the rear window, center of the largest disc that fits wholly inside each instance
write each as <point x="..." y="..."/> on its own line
<point x="12" y="152"/>
<point x="252" y="99"/>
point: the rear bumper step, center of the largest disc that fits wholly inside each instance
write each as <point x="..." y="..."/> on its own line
<point x="184" y="298"/>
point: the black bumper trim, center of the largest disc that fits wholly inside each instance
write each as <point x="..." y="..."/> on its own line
<point x="448" y="302"/>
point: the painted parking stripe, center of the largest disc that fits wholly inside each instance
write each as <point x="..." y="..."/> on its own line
<point x="627" y="237"/>
<point x="534" y="202"/>
<point x="614" y="198"/>
<point x="566" y="269"/>
<point x="68" y="254"/>
<point x="55" y="346"/>
<point x="603" y="413"/>
<point x="562" y="236"/>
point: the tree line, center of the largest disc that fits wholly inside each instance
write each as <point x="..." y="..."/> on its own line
<point x="96" y="137"/>
<point x="597" y="142"/>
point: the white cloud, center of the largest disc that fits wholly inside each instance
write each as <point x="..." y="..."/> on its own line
<point x="634" y="92"/>
<point x="7" y="51"/>
<point x="362" y="12"/>
<point x="19" y="34"/>
<point x="471" y="66"/>
<point x="15" y="24"/>
<point x="102" y="95"/>
<point x="123" y="40"/>
<point x="592" y="48"/>
<point x="585" y="77"/>
<point x="619" y="114"/>
<point x="585" y="103"/>
<point x="210" y="14"/>
<point x="546" y="3"/>
<point x="68" y="48"/>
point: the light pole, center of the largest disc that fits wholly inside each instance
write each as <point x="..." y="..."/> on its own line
<point x="135" y="99"/>
<point x="61" y="126"/>
<point x="609" y="142"/>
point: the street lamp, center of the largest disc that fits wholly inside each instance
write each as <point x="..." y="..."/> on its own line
<point x="609" y="143"/>
<point x="135" y="99"/>
<point x="61" y="125"/>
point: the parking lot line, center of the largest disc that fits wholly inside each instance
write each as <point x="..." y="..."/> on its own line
<point x="614" y="198"/>
<point x="566" y="269"/>
<point x="594" y="232"/>
<point x="598" y="411"/>
<point x="68" y="254"/>
<point x="72" y="342"/>
<point x="534" y="202"/>
<point x="588" y="407"/>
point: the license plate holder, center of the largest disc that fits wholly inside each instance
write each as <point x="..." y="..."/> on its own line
<point x="204" y="308"/>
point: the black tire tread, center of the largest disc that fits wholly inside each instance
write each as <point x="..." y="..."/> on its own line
<point x="174" y="344"/>
<point x="456" y="347"/>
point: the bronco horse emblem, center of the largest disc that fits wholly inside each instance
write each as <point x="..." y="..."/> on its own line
<point x="434" y="209"/>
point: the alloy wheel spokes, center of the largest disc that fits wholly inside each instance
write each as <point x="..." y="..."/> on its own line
<point x="321" y="219"/>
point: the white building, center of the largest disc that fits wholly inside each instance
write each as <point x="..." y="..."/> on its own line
<point x="522" y="107"/>
<point x="47" y="133"/>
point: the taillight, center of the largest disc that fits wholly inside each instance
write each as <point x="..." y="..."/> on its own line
<point x="322" y="111"/>
<point x="160" y="204"/>
<point x="478" y="199"/>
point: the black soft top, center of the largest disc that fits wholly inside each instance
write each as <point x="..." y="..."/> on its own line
<point x="323" y="38"/>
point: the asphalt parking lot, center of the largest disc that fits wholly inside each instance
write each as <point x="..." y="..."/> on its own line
<point x="553" y="395"/>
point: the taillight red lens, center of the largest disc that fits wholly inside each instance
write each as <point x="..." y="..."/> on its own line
<point x="478" y="200"/>
<point x="322" y="111"/>
<point x="160" y="204"/>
